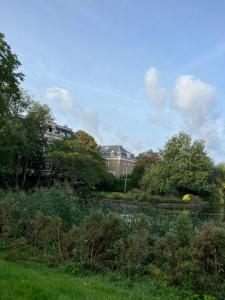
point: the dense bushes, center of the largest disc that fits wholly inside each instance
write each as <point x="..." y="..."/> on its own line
<point x="53" y="226"/>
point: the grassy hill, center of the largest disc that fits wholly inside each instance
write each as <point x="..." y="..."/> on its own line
<point x="26" y="280"/>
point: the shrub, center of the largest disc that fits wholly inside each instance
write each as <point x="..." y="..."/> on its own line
<point x="54" y="202"/>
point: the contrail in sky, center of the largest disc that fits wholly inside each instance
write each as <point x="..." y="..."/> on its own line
<point x="102" y="91"/>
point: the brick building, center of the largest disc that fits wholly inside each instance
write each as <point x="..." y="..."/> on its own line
<point x="118" y="160"/>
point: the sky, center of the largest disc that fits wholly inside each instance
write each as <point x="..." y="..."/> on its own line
<point x="132" y="73"/>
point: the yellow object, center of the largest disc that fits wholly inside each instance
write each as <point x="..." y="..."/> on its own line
<point x="186" y="197"/>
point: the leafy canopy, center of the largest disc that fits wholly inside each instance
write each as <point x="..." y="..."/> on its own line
<point x="74" y="160"/>
<point x="10" y="80"/>
<point x="185" y="167"/>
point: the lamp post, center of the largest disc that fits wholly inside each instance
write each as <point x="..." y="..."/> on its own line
<point x="125" y="182"/>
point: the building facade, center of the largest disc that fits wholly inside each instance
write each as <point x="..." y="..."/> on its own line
<point x="118" y="160"/>
<point x="54" y="132"/>
<point x="58" y="132"/>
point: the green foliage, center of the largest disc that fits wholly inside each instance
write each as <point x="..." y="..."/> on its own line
<point x="209" y="247"/>
<point x="55" y="227"/>
<point x="113" y="183"/>
<point x="22" y="123"/>
<point x="22" y="143"/>
<point x="184" y="229"/>
<point x="94" y="242"/>
<point x="144" y="161"/>
<point x="73" y="160"/>
<point x="185" y="167"/>
<point x="136" y="254"/>
<point x="219" y="179"/>
<point x="53" y="202"/>
<point x="10" y="79"/>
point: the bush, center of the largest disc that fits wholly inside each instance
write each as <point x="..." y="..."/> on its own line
<point x="54" y="202"/>
<point x="57" y="229"/>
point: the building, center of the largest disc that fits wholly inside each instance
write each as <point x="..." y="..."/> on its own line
<point x="58" y="132"/>
<point x="118" y="160"/>
<point x="54" y="132"/>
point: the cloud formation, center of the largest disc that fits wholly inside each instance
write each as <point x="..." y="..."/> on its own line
<point x="156" y="94"/>
<point x="194" y="99"/>
<point x="63" y="101"/>
<point x="194" y="102"/>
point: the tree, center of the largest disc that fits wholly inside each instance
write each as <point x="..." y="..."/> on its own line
<point x="73" y="160"/>
<point x="22" y="122"/>
<point x="22" y="143"/>
<point x="87" y="139"/>
<point x="12" y="104"/>
<point x="144" y="161"/>
<point x="35" y="122"/>
<point x="185" y="167"/>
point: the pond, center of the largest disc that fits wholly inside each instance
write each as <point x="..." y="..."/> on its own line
<point x="163" y="216"/>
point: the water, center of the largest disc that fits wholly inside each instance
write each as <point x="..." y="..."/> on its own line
<point x="163" y="216"/>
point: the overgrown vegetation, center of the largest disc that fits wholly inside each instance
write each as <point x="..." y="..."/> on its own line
<point x="54" y="227"/>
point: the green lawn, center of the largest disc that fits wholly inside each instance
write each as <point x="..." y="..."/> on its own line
<point x="34" y="281"/>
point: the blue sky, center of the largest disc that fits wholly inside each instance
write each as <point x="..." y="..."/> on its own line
<point x="128" y="72"/>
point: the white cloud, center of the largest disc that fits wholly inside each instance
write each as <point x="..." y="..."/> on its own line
<point x="61" y="97"/>
<point x="197" y="103"/>
<point x="194" y="99"/>
<point x="62" y="100"/>
<point x="155" y="93"/>
<point x="194" y="103"/>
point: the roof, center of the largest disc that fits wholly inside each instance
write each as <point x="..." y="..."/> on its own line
<point x="116" y="150"/>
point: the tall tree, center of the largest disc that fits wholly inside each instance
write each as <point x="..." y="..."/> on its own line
<point x="35" y="122"/>
<point x="23" y="143"/>
<point x="22" y="121"/>
<point x="185" y="167"/>
<point x="11" y="102"/>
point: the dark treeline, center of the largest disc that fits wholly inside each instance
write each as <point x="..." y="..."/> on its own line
<point x="55" y="227"/>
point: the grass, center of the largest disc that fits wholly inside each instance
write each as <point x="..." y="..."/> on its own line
<point x="25" y="280"/>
